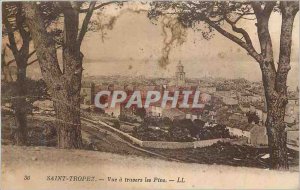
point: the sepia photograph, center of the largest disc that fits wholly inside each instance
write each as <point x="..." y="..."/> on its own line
<point x="149" y="95"/>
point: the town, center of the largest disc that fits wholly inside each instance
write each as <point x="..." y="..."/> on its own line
<point x="237" y="104"/>
<point x="150" y="94"/>
<point x="151" y="97"/>
<point x="157" y="114"/>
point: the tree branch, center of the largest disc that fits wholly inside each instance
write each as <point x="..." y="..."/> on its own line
<point x="248" y="18"/>
<point x="11" y="37"/>
<point x="263" y="16"/>
<point x="256" y="7"/>
<point x="98" y="6"/>
<point x="289" y="10"/>
<point x="29" y="55"/>
<point x="35" y="60"/>
<point x="240" y="31"/>
<point x="44" y="45"/>
<point x="20" y="21"/>
<point x="71" y="24"/>
<point x="246" y="45"/>
<point x="24" y="50"/>
<point x="267" y="63"/>
<point x="86" y="22"/>
<point x="10" y="62"/>
<point x="31" y="62"/>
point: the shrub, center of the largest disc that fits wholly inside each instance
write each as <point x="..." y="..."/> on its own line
<point x="180" y="134"/>
<point x="127" y="118"/>
<point x="116" y="124"/>
<point x="167" y="121"/>
<point x="141" y="112"/>
<point x="148" y="134"/>
<point x="218" y="131"/>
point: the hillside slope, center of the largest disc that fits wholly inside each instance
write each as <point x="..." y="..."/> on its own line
<point x="42" y="163"/>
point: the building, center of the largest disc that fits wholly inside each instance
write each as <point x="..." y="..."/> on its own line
<point x="258" y="135"/>
<point x="207" y="89"/>
<point x="236" y="132"/>
<point x="226" y="93"/>
<point x="156" y="110"/>
<point x="292" y="111"/>
<point x="205" y="98"/>
<point x="228" y="97"/>
<point x="193" y="114"/>
<point x="229" y="101"/>
<point x="293" y="137"/>
<point x="87" y="93"/>
<point x="42" y="106"/>
<point x="113" y="111"/>
<point x="180" y="75"/>
<point x="245" y="108"/>
<point x="248" y="98"/>
<point x="173" y="113"/>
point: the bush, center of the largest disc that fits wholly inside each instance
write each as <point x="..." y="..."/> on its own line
<point x="35" y="90"/>
<point x="180" y="130"/>
<point x="199" y="123"/>
<point x="5" y="112"/>
<point x="116" y="124"/>
<point x="127" y="118"/>
<point x="141" y="112"/>
<point x="187" y="124"/>
<point x="154" y="121"/>
<point x="218" y="131"/>
<point x="167" y="121"/>
<point x="180" y="134"/>
<point x="148" y="134"/>
<point x="98" y="110"/>
<point x="252" y="117"/>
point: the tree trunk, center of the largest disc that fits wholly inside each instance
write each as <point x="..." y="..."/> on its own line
<point x="276" y="94"/>
<point x="5" y="69"/>
<point x="64" y="85"/>
<point x="68" y="122"/>
<point x="277" y="136"/>
<point x="6" y="74"/>
<point x="20" y="108"/>
<point x="67" y="102"/>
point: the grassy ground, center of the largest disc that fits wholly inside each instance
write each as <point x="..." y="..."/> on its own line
<point x="97" y="140"/>
<point x="40" y="162"/>
<point x="102" y="140"/>
<point x="228" y="154"/>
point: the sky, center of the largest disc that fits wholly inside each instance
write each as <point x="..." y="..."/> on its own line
<point x="133" y="47"/>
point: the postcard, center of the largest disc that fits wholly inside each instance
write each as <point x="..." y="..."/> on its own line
<point x="149" y="95"/>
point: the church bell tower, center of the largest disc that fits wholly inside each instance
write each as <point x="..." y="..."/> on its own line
<point x="180" y="75"/>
